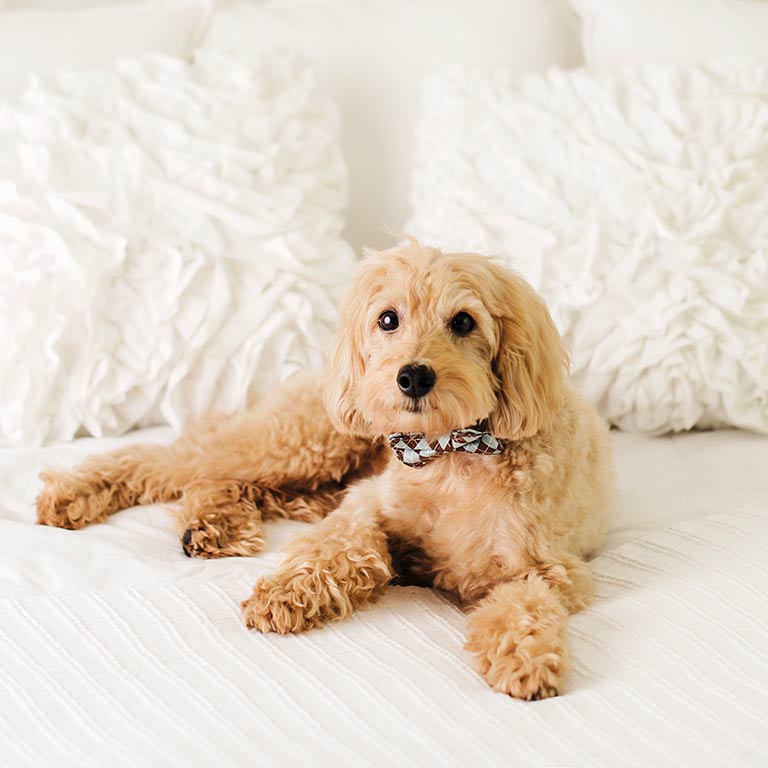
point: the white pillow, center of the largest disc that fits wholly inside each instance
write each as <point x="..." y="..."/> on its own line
<point x="618" y="33"/>
<point x="37" y="37"/>
<point x="169" y="242"/>
<point x="371" y="55"/>
<point x="638" y="206"/>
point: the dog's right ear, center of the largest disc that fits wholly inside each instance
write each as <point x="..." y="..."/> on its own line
<point x="347" y="364"/>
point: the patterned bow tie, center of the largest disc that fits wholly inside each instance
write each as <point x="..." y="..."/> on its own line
<point x="414" y="450"/>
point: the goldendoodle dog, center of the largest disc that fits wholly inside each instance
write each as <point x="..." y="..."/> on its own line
<point x="444" y="446"/>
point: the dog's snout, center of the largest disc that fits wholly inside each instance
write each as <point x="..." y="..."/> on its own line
<point x="415" y="380"/>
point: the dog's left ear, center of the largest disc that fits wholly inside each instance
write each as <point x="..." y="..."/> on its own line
<point x="531" y="363"/>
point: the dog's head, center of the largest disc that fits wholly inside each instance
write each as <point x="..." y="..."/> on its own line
<point x="430" y="342"/>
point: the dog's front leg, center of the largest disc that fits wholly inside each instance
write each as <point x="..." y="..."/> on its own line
<point x="517" y="637"/>
<point x="341" y="565"/>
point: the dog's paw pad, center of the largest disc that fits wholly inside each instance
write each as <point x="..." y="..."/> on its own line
<point x="546" y="692"/>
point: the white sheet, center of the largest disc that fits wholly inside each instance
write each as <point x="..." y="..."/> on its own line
<point x="115" y="649"/>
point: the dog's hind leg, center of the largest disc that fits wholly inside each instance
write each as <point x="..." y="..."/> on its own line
<point x="219" y="520"/>
<point x="285" y="450"/>
<point x="106" y="483"/>
<point x="282" y="460"/>
<point x="224" y="519"/>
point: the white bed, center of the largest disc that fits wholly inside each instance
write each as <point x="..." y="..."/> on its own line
<point x="116" y="649"/>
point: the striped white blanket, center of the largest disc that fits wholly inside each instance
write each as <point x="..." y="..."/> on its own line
<point x="117" y="650"/>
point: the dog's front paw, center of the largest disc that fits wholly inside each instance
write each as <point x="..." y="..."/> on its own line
<point x="282" y="607"/>
<point x="517" y="640"/>
<point x="68" y="502"/>
<point x="523" y="671"/>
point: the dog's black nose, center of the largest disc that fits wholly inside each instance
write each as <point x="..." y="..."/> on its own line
<point x="415" y="380"/>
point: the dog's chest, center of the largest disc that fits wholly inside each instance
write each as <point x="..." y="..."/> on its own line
<point x="465" y="521"/>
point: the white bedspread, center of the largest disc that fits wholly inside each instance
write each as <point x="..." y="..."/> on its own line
<point x="117" y="650"/>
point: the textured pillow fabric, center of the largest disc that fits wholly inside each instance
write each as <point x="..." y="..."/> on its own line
<point x="638" y="206"/>
<point x="169" y="242"/>
<point x="37" y="37"/>
<point x="371" y="55"/>
<point x="621" y="33"/>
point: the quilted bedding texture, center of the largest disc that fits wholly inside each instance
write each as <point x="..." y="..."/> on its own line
<point x="117" y="650"/>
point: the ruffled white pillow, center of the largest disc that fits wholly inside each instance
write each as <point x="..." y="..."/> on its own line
<point x="638" y="206"/>
<point x="169" y="242"/>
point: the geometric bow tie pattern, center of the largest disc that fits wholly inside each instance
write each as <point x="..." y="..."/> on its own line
<point x="414" y="450"/>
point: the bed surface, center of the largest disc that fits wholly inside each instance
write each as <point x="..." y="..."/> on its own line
<point x="115" y="649"/>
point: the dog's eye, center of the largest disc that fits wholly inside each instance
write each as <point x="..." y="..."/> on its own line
<point x="388" y="320"/>
<point x="463" y="324"/>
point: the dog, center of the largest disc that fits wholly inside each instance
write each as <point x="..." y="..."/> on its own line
<point x="444" y="445"/>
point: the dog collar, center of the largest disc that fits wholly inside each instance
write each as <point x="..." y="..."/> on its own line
<point x="414" y="450"/>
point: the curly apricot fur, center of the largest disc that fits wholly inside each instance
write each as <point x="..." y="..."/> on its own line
<point x="508" y="534"/>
